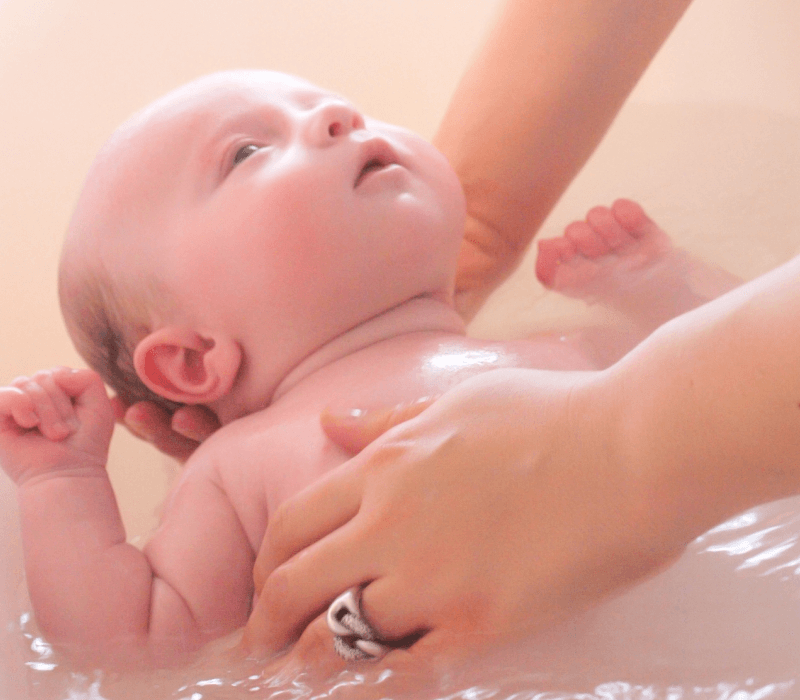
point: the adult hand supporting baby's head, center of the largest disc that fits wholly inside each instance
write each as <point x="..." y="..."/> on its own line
<point x="177" y="435"/>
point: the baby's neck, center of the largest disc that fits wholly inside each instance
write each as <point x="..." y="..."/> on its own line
<point x="418" y="315"/>
<point x="414" y="316"/>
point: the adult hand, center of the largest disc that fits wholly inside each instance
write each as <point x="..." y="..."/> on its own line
<point x="486" y="258"/>
<point x="177" y="435"/>
<point x="356" y="429"/>
<point x="313" y="657"/>
<point x="505" y="506"/>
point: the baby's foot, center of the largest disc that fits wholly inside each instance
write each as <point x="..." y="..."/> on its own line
<point x="619" y="257"/>
<point x="616" y="240"/>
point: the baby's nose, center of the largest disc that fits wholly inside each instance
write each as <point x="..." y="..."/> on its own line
<point x="333" y="120"/>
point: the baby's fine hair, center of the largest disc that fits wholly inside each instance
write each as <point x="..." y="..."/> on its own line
<point x="106" y="323"/>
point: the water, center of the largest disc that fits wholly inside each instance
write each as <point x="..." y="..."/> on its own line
<point x="722" y="624"/>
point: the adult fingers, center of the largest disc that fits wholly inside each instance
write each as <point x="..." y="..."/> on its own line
<point x="436" y="655"/>
<point x="150" y="422"/>
<point x="195" y="422"/>
<point x="397" y="609"/>
<point x="304" y="587"/>
<point x="357" y="554"/>
<point x="316" y="511"/>
<point x="144" y="419"/>
<point x="354" y="430"/>
<point x="119" y="407"/>
<point x="413" y="669"/>
<point x="314" y="657"/>
<point x="313" y="653"/>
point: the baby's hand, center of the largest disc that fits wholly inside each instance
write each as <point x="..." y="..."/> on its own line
<point x="59" y="419"/>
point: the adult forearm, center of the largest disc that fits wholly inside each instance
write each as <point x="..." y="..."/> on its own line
<point x="539" y="96"/>
<point x="711" y="406"/>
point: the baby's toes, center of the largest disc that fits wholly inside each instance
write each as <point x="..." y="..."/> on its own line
<point x="586" y="240"/>
<point x="631" y="217"/>
<point x="606" y="227"/>
<point x="551" y="253"/>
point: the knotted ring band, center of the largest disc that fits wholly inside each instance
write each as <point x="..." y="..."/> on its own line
<point x="354" y="639"/>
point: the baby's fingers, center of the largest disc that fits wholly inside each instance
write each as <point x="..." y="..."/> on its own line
<point x="89" y="401"/>
<point x="16" y="405"/>
<point x="83" y="386"/>
<point x="53" y="408"/>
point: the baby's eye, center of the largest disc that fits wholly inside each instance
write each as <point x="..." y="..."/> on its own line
<point x="244" y="152"/>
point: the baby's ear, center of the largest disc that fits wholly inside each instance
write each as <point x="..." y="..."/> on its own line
<point x="182" y="365"/>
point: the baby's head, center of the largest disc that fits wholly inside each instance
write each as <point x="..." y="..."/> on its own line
<point x="237" y="225"/>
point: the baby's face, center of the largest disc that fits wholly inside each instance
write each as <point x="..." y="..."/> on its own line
<point x="274" y="207"/>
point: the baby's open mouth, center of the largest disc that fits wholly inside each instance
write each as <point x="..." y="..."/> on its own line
<point x="377" y="155"/>
<point x="370" y="166"/>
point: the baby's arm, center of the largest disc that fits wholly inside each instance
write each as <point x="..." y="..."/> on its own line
<point x="54" y="439"/>
<point x="90" y="589"/>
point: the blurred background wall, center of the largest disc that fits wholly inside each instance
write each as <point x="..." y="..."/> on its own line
<point x="709" y="142"/>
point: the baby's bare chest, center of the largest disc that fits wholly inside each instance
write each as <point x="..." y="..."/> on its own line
<point x="269" y="456"/>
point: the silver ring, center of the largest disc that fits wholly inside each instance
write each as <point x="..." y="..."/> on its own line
<point x="354" y="639"/>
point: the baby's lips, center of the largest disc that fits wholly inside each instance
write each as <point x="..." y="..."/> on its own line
<point x="374" y="154"/>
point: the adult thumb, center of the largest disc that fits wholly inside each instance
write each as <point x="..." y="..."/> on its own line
<point x="353" y="430"/>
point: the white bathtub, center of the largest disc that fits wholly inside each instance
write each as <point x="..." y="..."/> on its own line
<point x="710" y="144"/>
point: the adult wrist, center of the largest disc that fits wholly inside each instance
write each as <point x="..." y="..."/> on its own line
<point x="691" y="434"/>
<point x="641" y="540"/>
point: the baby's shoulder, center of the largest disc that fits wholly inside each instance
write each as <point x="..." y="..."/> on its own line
<point x="267" y="455"/>
<point x="253" y="440"/>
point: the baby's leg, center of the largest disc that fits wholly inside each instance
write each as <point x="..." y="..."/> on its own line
<point x="620" y="258"/>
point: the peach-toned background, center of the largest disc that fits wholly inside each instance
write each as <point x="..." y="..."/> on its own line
<point x="709" y="142"/>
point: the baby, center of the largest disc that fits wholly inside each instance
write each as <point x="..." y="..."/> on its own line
<point x="252" y="243"/>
